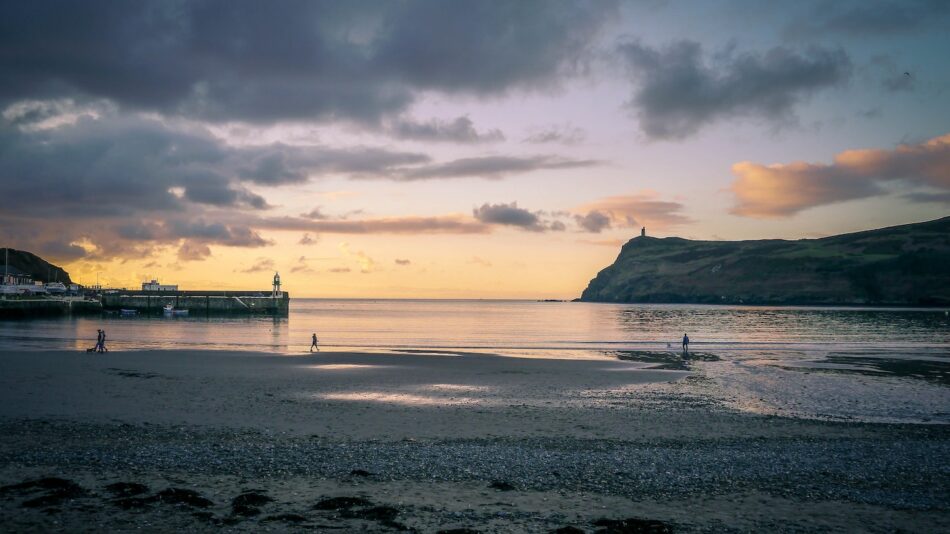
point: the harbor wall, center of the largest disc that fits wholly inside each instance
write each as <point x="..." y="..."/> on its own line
<point x="31" y="307"/>
<point x="199" y="303"/>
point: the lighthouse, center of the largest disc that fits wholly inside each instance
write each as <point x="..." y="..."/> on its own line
<point x="277" y="294"/>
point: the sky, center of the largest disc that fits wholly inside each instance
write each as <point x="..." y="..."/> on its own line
<point x="456" y="149"/>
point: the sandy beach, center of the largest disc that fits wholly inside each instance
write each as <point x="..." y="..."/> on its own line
<point x="429" y="442"/>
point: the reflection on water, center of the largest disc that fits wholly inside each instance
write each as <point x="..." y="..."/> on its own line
<point x="344" y="366"/>
<point x="861" y="364"/>
<point x="407" y="399"/>
<point x="526" y="328"/>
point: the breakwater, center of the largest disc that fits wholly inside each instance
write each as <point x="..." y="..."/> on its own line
<point x="12" y="307"/>
<point x="199" y="302"/>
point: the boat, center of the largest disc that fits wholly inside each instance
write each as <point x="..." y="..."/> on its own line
<point x="170" y="311"/>
<point x="7" y="289"/>
<point x="128" y="313"/>
<point x="56" y="288"/>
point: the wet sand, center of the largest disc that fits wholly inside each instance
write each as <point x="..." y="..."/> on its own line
<point x="436" y="441"/>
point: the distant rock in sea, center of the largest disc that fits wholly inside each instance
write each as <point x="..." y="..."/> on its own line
<point x="906" y="265"/>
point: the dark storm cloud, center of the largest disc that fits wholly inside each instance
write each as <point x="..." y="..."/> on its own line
<point x="216" y="232"/>
<point x="280" y="164"/>
<point x="216" y="191"/>
<point x="61" y="250"/>
<point x="460" y="130"/>
<point x="677" y="91"/>
<point x="289" y="59"/>
<point x="125" y="166"/>
<point x="123" y="186"/>
<point x="863" y="18"/>
<point x="489" y="167"/>
<point x="272" y="169"/>
<point x="488" y="47"/>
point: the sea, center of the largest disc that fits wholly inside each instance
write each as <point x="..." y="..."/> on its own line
<point x="864" y="364"/>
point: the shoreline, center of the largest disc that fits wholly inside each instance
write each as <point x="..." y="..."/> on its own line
<point x="429" y="443"/>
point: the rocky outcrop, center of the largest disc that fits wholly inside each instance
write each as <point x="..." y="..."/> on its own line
<point x="39" y="268"/>
<point x="905" y="265"/>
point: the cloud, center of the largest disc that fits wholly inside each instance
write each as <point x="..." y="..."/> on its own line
<point x="489" y="167"/>
<point x="261" y="265"/>
<point x="126" y="183"/>
<point x="677" y="91"/>
<point x="321" y="60"/>
<point x="191" y="251"/>
<point x="315" y="214"/>
<point x="339" y="270"/>
<point x="506" y="214"/>
<point x="367" y="264"/>
<point x="460" y="130"/>
<point x="62" y="250"/>
<point x="891" y="77"/>
<point x="301" y="266"/>
<point x="861" y="18"/>
<point x="639" y="209"/>
<point x="476" y="260"/>
<point x="307" y="239"/>
<point x="564" y="134"/>
<point x="594" y="221"/>
<point x="782" y="190"/>
<point x="214" y="232"/>
<point x="402" y="262"/>
<point x="512" y="215"/>
<point x="444" y="224"/>
<point x="929" y="198"/>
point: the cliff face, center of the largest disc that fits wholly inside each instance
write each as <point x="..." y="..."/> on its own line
<point x="900" y="265"/>
<point x="36" y="266"/>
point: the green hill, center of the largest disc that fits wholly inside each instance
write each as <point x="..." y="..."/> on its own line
<point x="906" y="265"/>
<point x="39" y="268"/>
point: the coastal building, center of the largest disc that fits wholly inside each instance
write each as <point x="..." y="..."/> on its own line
<point x="15" y="277"/>
<point x="155" y="286"/>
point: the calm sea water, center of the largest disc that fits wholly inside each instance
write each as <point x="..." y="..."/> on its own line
<point x="836" y="363"/>
<point x="546" y="329"/>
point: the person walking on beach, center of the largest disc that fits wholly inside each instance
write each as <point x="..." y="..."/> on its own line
<point x="98" y="341"/>
<point x="102" y="341"/>
<point x="313" y="344"/>
<point x="685" y="343"/>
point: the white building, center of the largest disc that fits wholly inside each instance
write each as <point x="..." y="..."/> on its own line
<point x="155" y="286"/>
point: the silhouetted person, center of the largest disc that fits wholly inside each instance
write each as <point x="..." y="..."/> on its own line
<point x="102" y="341"/>
<point x="685" y="343"/>
<point x="98" y="341"/>
<point x="313" y="344"/>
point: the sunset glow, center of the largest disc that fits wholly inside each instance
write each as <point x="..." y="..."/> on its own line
<point x="511" y="165"/>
